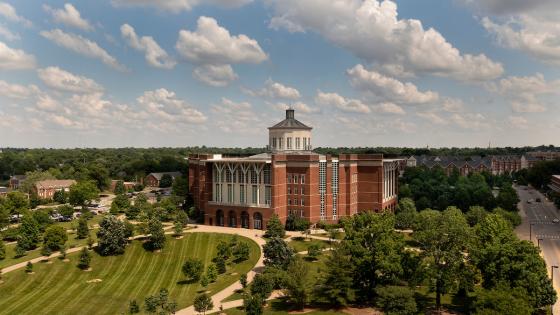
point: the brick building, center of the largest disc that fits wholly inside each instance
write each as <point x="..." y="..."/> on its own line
<point x="45" y="189"/>
<point x="555" y="184"/>
<point x="290" y="179"/>
<point x="153" y="179"/>
<point x="16" y="181"/>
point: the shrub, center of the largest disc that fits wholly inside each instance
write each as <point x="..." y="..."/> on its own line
<point x="396" y="300"/>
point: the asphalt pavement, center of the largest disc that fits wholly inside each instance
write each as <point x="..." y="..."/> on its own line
<point x="539" y="220"/>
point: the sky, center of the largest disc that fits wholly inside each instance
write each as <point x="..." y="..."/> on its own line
<point x="178" y="73"/>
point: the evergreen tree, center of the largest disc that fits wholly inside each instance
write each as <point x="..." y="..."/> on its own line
<point x="119" y="188"/>
<point x="83" y="229"/>
<point x="212" y="273"/>
<point x="220" y="264"/>
<point x="29" y="267"/>
<point x="336" y="286"/>
<point x="133" y="307"/>
<point x="85" y="259"/>
<point x="192" y="269"/>
<point x="204" y="281"/>
<point x="156" y="240"/>
<point x="55" y="237"/>
<point x="295" y="282"/>
<point x="277" y="253"/>
<point x="253" y="304"/>
<point x="203" y="303"/>
<point x="274" y="228"/>
<point x="28" y="233"/>
<point x="241" y="252"/>
<point x="2" y="249"/>
<point x="243" y="280"/>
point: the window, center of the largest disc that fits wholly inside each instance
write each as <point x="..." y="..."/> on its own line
<point x="295" y="202"/>
<point x="289" y="178"/>
<point x="274" y="143"/>
<point x="295" y="179"/>
<point x="242" y="194"/>
<point x="323" y="187"/>
<point x="228" y="176"/>
<point x="217" y="197"/>
<point x="230" y="193"/>
<point x="254" y="177"/>
<point x="305" y="143"/>
<point x="289" y="190"/>
<point x="302" y="202"/>
<point x="302" y="179"/>
<point x="267" y="195"/>
<point x="302" y="190"/>
<point x="289" y="143"/>
<point x="295" y="190"/>
<point x="289" y="202"/>
<point x="281" y="142"/>
<point x="255" y="194"/>
<point x="266" y="173"/>
<point x="297" y="143"/>
<point x="241" y="176"/>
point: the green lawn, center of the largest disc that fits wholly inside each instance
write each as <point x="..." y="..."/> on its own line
<point x="62" y="288"/>
<point x="303" y="245"/>
<point x="278" y="307"/>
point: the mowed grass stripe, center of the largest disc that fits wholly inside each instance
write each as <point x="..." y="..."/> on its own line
<point x="113" y="284"/>
<point x="43" y="278"/>
<point x="61" y="288"/>
<point x="70" y="301"/>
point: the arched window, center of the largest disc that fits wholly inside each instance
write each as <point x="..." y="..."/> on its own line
<point x="257" y="221"/>
<point x="232" y="219"/>
<point x="244" y="220"/>
<point x="219" y="217"/>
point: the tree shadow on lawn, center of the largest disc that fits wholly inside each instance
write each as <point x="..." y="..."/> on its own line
<point x="186" y="281"/>
<point x="458" y="304"/>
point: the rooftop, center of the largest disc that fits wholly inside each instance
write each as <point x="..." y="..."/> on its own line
<point x="290" y="122"/>
<point x="55" y="183"/>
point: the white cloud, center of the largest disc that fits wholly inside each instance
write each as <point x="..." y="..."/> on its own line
<point x="388" y="108"/>
<point x="47" y="103"/>
<point x="82" y="46"/>
<point x="526" y="93"/>
<point x="213" y="44"/>
<point x="518" y="122"/>
<point x="62" y="80"/>
<point x="500" y="7"/>
<point x="432" y="117"/>
<point x="7" y="34"/>
<point x="275" y="90"/>
<point x="165" y="105"/>
<point x="473" y="121"/>
<point x="9" y="12"/>
<point x="452" y="105"/>
<point x="215" y="75"/>
<point x="17" y="91"/>
<point x="69" y="16"/>
<point x="346" y="105"/>
<point x="372" y="31"/>
<point x="154" y="54"/>
<point x="177" y="6"/>
<point x="236" y="117"/>
<point x="387" y="88"/>
<point x="15" y="59"/>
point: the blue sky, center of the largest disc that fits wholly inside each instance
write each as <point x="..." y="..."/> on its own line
<point x="145" y="73"/>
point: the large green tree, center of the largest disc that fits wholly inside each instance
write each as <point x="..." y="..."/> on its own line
<point x="82" y="193"/>
<point x="55" y="237"/>
<point x="277" y="253"/>
<point x="111" y="236"/>
<point x="29" y="233"/>
<point x="156" y="239"/>
<point x="274" y="228"/>
<point x="443" y="238"/>
<point x="296" y="282"/>
<point x="336" y="283"/>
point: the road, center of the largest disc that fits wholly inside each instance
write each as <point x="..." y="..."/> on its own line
<point x="541" y="215"/>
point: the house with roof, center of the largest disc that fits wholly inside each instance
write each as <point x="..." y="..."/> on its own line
<point x="154" y="179"/>
<point x="16" y="181"/>
<point x="45" y="189"/>
<point x="3" y="191"/>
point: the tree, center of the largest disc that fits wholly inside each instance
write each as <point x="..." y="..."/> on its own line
<point x="395" y="300"/>
<point x="2" y="250"/>
<point x="63" y="252"/>
<point x="241" y="252"/>
<point x="166" y="181"/>
<point x="16" y="203"/>
<point x="204" y="281"/>
<point x="60" y="196"/>
<point x="182" y="217"/>
<point x="501" y="301"/>
<point x="83" y="229"/>
<point x="475" y="215"/>
<point x="85" y="259"/>
<point x="19" y="251"/>
<point x="111" y="237"/>
<point x="443" y="237"/>
<point x="274" y="228"/>
<point x="336" y="283"/>
<point x="42" y="218"/>
<point x="203" y="303"/>
<point x="156" y="239"/>
<point x="212" y="273"/>
<point x="277" y="253"/>
<point x="55" y="237"/>
<point x="180" y="186"/>
<point x="507" y="198"/>
<point x="129" y="229"/>
<point x="178" y="228"/>
<point x="82" y="193"/>
<point x="28" y="233"/>
<point x="296" y="282"/>
<point x="220" y="264"/>
<point x="314" y="251"/>
<point x="119" y="188"/>
<point x="133" y="212"/>
<point x="192" y="269"/>
<point x="376" y="251"/>
<point x="29" y="267"/>
<point x="133" y="307"/>
<point x="223" y="250"/>
<point x="253" y="304"/>
<point x="90" y="241"/>
<point x="406" y="214"/>
<point x="65" y="211"/>
<point x="262" y="285"/>
<point x="121" y="203"/>
<point x="151" y="304"/>
<point x="243" y="280"/>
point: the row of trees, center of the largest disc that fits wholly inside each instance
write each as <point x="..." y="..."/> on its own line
<point x="432" y="188"/>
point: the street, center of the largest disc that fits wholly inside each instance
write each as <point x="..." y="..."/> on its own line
<point x="538" y="219"/>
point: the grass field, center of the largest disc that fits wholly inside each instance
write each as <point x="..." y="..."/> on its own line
<point x="303" y="245"/>
<point x="62" y="288"/>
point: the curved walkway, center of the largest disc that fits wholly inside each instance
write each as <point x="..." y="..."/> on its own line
<point x="255" y="235"/>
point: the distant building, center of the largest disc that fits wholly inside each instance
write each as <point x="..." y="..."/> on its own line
<point x="16" y="181"/>
<point x="290" y="179"/>
<point x="3" y="191"/>
<point x="496" y="164"/>
<point x="544" y="155"/>
<point x="45" y="189"/>
<point x="127" y="185"/>
<point x="555" y="183"/>
<point x="153" y="179"/>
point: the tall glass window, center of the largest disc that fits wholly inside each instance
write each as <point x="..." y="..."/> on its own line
<point x="242" y="194"/>
<point x="230" y="193"/>
<point x="268" y="195"/>
<point x="298" y="143"/>
<point x="255" y="194"/>
<point x="289" y="143"/>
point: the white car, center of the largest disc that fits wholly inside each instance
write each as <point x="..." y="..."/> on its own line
<point x="555" y="220"/>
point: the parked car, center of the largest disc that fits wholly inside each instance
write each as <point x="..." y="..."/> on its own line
<point x="555" y="220"/>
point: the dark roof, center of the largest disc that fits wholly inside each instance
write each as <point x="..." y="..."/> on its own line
<point x="290" y="122"/>
<point x="18" y="177"/>
<point x="158" y="176"/>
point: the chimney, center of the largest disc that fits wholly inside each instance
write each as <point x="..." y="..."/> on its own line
<point x="290" y="113"/>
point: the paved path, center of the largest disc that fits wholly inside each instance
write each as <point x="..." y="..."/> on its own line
<point x="255" y="235"/>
